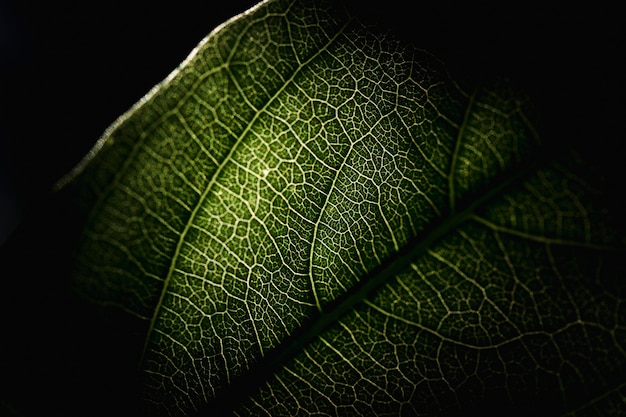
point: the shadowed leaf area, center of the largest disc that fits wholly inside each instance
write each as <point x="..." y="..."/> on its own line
<point x="323" y="213"/>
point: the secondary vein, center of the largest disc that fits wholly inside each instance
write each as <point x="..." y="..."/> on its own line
<point x="455" y="153"/>
<point x="213" y="181"/>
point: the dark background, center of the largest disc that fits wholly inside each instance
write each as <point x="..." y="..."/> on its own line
<point x="68" y="69"/>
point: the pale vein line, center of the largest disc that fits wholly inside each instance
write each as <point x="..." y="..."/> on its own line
<point x="300" y="141"/>
<point x="141" y="200"/>
<point x="186" y="350"/>
<point x="543" y="239"/>
<point x="339" y="353"/>
<point x="323" y="209"/>
<point x="276" y="192"/>
<point x="459" y="271"/>
<point x="195" y="138"/>
<point x="316" y="228"/>
<point x="457" y="149"/>
<point x="251" y="315"/>
<point x="213" y="181"/>
<point x="326" y="201"/>
<point x="379" y="205"/>
<point x="132" y="258"/>
<point x="452" y="341"/>
<point x="304" y="380"/>
<point x="407" y="128"/>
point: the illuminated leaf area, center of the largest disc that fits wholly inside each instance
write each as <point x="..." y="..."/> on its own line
<point x="312" y="217"/>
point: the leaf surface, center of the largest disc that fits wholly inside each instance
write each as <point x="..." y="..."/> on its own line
<point x="315" y="214"/>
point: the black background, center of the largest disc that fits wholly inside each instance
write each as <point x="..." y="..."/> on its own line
<point x="68" y="69"/>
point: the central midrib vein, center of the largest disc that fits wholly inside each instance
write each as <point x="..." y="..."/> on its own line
<point x="249" y="382"/>
<point x="213" y="181"/>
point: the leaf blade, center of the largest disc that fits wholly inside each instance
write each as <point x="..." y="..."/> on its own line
<point x="294" y="190"/>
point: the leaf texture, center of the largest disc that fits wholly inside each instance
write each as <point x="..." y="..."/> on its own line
<point x="314" y="198"/>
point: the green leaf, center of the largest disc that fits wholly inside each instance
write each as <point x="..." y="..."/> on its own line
<point x="310" y="216"/>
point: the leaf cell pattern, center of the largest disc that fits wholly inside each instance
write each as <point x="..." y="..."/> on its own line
<point x="283" y="164"/>
<point x="510" y="315"/>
